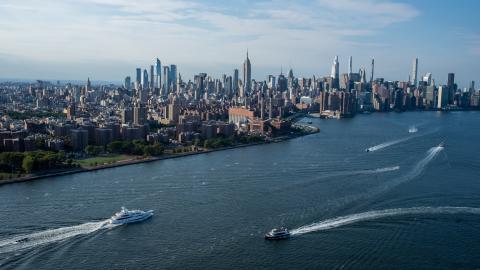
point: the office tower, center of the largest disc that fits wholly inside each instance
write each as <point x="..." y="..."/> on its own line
<point x="173" y="77"/>
<point x="451" y="87"/>
<point x="88" y="87"/>
<point x="145" y="81"/>
<point x="235" y="82"/>
<point x="200" y="82"/>
<point x="414" y="72"/>
<point x="335" y="74"/>
<point x="247" y="76"/>
<point x="127" y="83"/>
<point x="152" y="78"/>
<point x="373" y="69"/>
<point x="166" y="78"/>
<point x="363" y="75"/>
<point x="282" y="83"/>
<point x="228" y="86"/>
<point x="442" y="96"/>
<point x="139" y="114"/>
<point x="179" y="84"/>
<point x="271" y="81"/>
<point x="158" y="70"/>
<point x="451" y="79"/>
<point x="430" y="96"/>
<point x="350" y="66"/>
<point x="428" y="78"/>
<point x="471" y="89"/>
<point x="138" y="78"/>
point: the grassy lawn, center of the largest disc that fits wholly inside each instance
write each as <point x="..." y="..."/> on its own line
<point x="8" y="176"/>
<point x="90" y="162"/>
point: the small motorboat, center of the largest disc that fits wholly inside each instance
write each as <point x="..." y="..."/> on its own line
<point x="277" y="234"/>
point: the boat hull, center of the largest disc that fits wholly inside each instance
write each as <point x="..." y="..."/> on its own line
<point x="133" y="220"/>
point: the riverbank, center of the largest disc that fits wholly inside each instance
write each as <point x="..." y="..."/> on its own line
<point x="138" y="160"/>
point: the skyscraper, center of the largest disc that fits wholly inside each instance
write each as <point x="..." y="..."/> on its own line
<point x="451" y="87"/>
<point x="145" y="80"/>
<point x="166" y="78"/>
<point x="414" y="72"/>
<point x="335" y="69"/>
<point x="442" y="96"/>
<point x="247" y="76"/>
<point x="335" y="74"/>
<point x="127" y="83"/>
<point x="235" y="81"/>
<point x="88" y="88"/>
<point x="158" y="70"/>
<point x="373" y="69"/>
<point x="152" y="78"/>
<point x="350" y="66"/>
<point x="173" y="77"/>
<point x="428" y="78"/>
<point x="138" y="78"/>
<point x="363" y="75"/>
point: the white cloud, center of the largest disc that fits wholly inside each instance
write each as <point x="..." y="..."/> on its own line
<point x="191" y="32"/>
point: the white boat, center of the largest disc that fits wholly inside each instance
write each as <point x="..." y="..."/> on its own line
<point x="412" y="129"/>
<point x="126" y="216"/>
<point x="277" y="234"/>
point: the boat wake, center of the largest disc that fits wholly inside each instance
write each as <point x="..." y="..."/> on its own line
<point x="387" y="144"/>
<point x="379" y="170"/>
<point x="415" y="172"/>
<point x="372" y="215"/>
<point x="390" y="143"/>
<point x="26" y="241"/>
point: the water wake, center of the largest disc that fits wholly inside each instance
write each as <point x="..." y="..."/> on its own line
<point x="379" y="170"/>
<point x="390" y="143"/>
<point x="372" y="215"/>
<point x="415" y="172"/>
<point x="25" y="241"/>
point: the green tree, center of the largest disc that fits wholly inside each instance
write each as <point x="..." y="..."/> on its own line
<point x="28" y="163"/>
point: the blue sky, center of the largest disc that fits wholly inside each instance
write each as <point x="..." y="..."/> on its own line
<point x="107" y="39"/>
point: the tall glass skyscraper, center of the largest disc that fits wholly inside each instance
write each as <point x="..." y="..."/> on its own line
<point x="166" y="80"/>
<point x="173" y="77"/>
<point x="247" y="77"/>
<point x="158" y="72"/>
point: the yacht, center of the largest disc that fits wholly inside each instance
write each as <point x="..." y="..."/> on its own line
<point x="126" y="216"/>
<point x="278" y="233"/>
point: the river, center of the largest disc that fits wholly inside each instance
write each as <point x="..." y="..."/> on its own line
<point x="408" y="203"/>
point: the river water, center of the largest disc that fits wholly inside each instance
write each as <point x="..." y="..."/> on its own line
<point x="408" y="203"/>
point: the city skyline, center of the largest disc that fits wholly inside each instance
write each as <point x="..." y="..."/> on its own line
<point x="106" y="39"/>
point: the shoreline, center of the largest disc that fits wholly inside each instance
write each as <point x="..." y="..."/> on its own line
<point x="146" y="160"/>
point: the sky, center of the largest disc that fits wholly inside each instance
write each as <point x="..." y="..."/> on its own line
<point x="108" y="39"/>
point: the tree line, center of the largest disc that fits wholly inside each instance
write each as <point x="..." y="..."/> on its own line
<point x="29" y="162"/>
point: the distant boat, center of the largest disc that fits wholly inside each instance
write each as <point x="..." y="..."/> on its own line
<point x="442" y="144"/>
<point x="412" y="130"/>
<point x="277" y="234"/>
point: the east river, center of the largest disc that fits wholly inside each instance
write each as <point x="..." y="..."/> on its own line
<point x="408" y="203"/>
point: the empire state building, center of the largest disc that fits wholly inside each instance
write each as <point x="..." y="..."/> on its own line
<point x="247" y="77"/>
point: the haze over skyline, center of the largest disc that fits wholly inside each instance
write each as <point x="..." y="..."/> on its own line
<point x="108" y="39"/>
